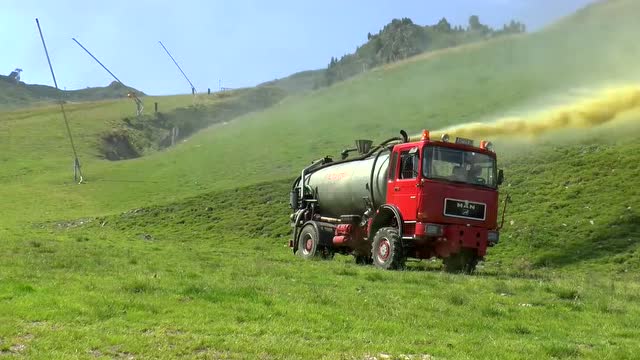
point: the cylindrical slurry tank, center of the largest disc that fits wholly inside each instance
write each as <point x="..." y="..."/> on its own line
<point x="341" y="189"/>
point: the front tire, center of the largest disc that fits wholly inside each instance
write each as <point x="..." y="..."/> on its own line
<point x="386" y="250"/>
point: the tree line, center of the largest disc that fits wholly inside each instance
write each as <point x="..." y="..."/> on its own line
<point x="401" y="38"/>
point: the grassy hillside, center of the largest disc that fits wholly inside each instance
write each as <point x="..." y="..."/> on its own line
<point x="17" y="95"/>
<point x="36" y="156"/>
<point x="479" y="83"/>
<point x="139" y="135"/>
<point x="401" y="38"/>
<point x="300" y="82"/>
<point x="397" y="40"/>
<point x="182" y="253"/>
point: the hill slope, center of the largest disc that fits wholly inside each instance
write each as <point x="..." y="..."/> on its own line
<point x="477" y="83"/>
<point x="16" y="95"/>
<point x="398" y="40"/>
<point x="299" y="82"/>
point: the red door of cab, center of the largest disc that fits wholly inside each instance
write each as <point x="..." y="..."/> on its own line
<point x="402" y="187"/>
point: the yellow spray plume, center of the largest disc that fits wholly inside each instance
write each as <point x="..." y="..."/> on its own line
<point x="606" y="107"/>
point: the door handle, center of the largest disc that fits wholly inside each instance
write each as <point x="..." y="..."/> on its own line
<point x="396" y="188"/>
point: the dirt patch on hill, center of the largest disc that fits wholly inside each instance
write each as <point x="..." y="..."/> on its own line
<point x="137" y="136"/>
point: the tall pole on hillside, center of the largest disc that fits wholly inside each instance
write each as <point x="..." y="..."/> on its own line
<point x="193" y="89"/>
<point x="139" y="104"/>
<point x="98" y="61"/>
<point x="77" y="171"/>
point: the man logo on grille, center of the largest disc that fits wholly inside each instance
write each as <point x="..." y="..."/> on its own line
<point x="466" y="206"/>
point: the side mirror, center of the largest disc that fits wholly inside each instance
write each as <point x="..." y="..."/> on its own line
<point x="500" y="176"/>
<point x="294" y="199"/>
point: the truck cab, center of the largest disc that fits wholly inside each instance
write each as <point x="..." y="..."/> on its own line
<point x="446" y="194"/>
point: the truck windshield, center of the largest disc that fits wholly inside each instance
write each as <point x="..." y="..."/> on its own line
<point x="459" y="166"/>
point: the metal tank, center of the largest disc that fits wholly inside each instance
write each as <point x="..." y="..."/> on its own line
<point x="341" y="189"/>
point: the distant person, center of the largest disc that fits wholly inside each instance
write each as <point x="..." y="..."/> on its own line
<point x="139" y="105"/>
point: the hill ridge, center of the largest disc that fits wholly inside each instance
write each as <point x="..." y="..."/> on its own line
<point x="15" y="95"/>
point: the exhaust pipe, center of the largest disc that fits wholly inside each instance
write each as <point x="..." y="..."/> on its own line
<point x="405" y="137"/>
<point x="363" y="146"/>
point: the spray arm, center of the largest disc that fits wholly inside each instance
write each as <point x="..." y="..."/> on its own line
<point x="504" y="210"/>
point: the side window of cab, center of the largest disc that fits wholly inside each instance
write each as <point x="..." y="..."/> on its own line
<point x="409" y="161"/>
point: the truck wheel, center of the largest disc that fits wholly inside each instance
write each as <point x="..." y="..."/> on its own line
<point x="309" y="244"/>
<point x="464" y="261"/>
<point x="387" y="252"/>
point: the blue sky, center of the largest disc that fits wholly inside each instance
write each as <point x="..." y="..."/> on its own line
<point x="242" y="42"/>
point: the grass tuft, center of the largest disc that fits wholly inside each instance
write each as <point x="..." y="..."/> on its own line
<point x="139" y="286"/>
<point x="458" y="299"/>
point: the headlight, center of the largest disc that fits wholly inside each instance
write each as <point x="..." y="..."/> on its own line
<point x="445" y="137"/>
<point x="434" y="230"/>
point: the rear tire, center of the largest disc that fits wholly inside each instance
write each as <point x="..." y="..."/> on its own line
<point x="464" y="262"/>
<point x="386" y="250"/>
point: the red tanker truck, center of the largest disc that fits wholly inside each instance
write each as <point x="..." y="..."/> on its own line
<point x="404" y="198"/>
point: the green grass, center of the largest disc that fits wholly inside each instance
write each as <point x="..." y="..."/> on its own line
<point x="203" y="279"/>
<point x="182" y="253"/>
<point x="574" y="206"/>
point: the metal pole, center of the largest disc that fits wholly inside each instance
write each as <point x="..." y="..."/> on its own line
<point x="76" y="161"/>
<point x="139" y="104"/>
<point x="193" y="89"/>
<point x="98" y="61"/>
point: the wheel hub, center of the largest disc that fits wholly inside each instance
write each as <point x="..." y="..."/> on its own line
<point x="308" y="245"/>
<point x="384" y="250"/>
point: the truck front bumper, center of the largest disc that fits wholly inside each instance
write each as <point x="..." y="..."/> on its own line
<point x="450" y="237"/>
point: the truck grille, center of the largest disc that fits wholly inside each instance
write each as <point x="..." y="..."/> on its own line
<point x="464" y="209"/>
